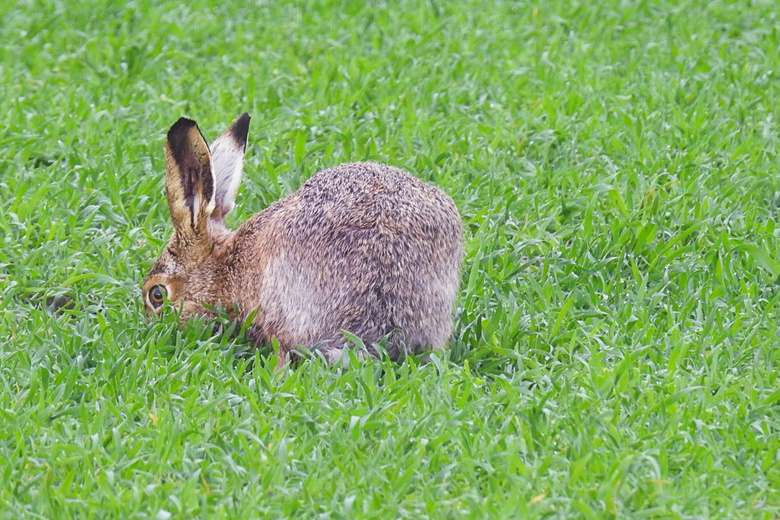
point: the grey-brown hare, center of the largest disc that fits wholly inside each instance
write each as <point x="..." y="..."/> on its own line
<point x="361" y="247"/>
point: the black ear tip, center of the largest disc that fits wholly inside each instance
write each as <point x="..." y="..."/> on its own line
<point x="240" y="129"/>
<point x="180" y="140"/>
<point x="180" y="127"/>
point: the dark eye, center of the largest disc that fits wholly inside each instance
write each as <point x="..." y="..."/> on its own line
<point x="157" y="295"/>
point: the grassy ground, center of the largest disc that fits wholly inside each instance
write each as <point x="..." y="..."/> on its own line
<point x="616" y="166"/>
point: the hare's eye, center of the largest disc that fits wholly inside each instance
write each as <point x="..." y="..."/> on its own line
<point x="157" y="295"/>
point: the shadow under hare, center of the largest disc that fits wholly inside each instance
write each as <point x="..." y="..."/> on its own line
<point x="361" y="247"/>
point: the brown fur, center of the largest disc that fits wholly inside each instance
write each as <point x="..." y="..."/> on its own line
<point x="361" y="247"/>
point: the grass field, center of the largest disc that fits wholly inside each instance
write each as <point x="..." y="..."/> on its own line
<point x="616" y="351"/>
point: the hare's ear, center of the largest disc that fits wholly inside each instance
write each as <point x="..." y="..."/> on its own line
<point x="227" y="158"/>
<point x="189" y="183"/>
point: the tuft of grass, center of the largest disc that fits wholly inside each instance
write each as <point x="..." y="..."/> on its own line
<point x="615" y="164"/>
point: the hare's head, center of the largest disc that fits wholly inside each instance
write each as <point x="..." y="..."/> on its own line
<point x="200" y="184"/>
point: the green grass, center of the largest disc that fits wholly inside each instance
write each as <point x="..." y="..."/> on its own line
<point x="616" y="352"/>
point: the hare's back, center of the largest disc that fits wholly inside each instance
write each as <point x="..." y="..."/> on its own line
<point x="357" y="196"/>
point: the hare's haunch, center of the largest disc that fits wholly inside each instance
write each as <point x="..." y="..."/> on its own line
<point x="362" y="247"/>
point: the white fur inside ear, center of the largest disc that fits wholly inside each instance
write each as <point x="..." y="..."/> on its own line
<point x="227" y="161"/>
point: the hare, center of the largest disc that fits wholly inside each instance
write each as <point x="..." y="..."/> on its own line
<point x="361" y="247"/>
